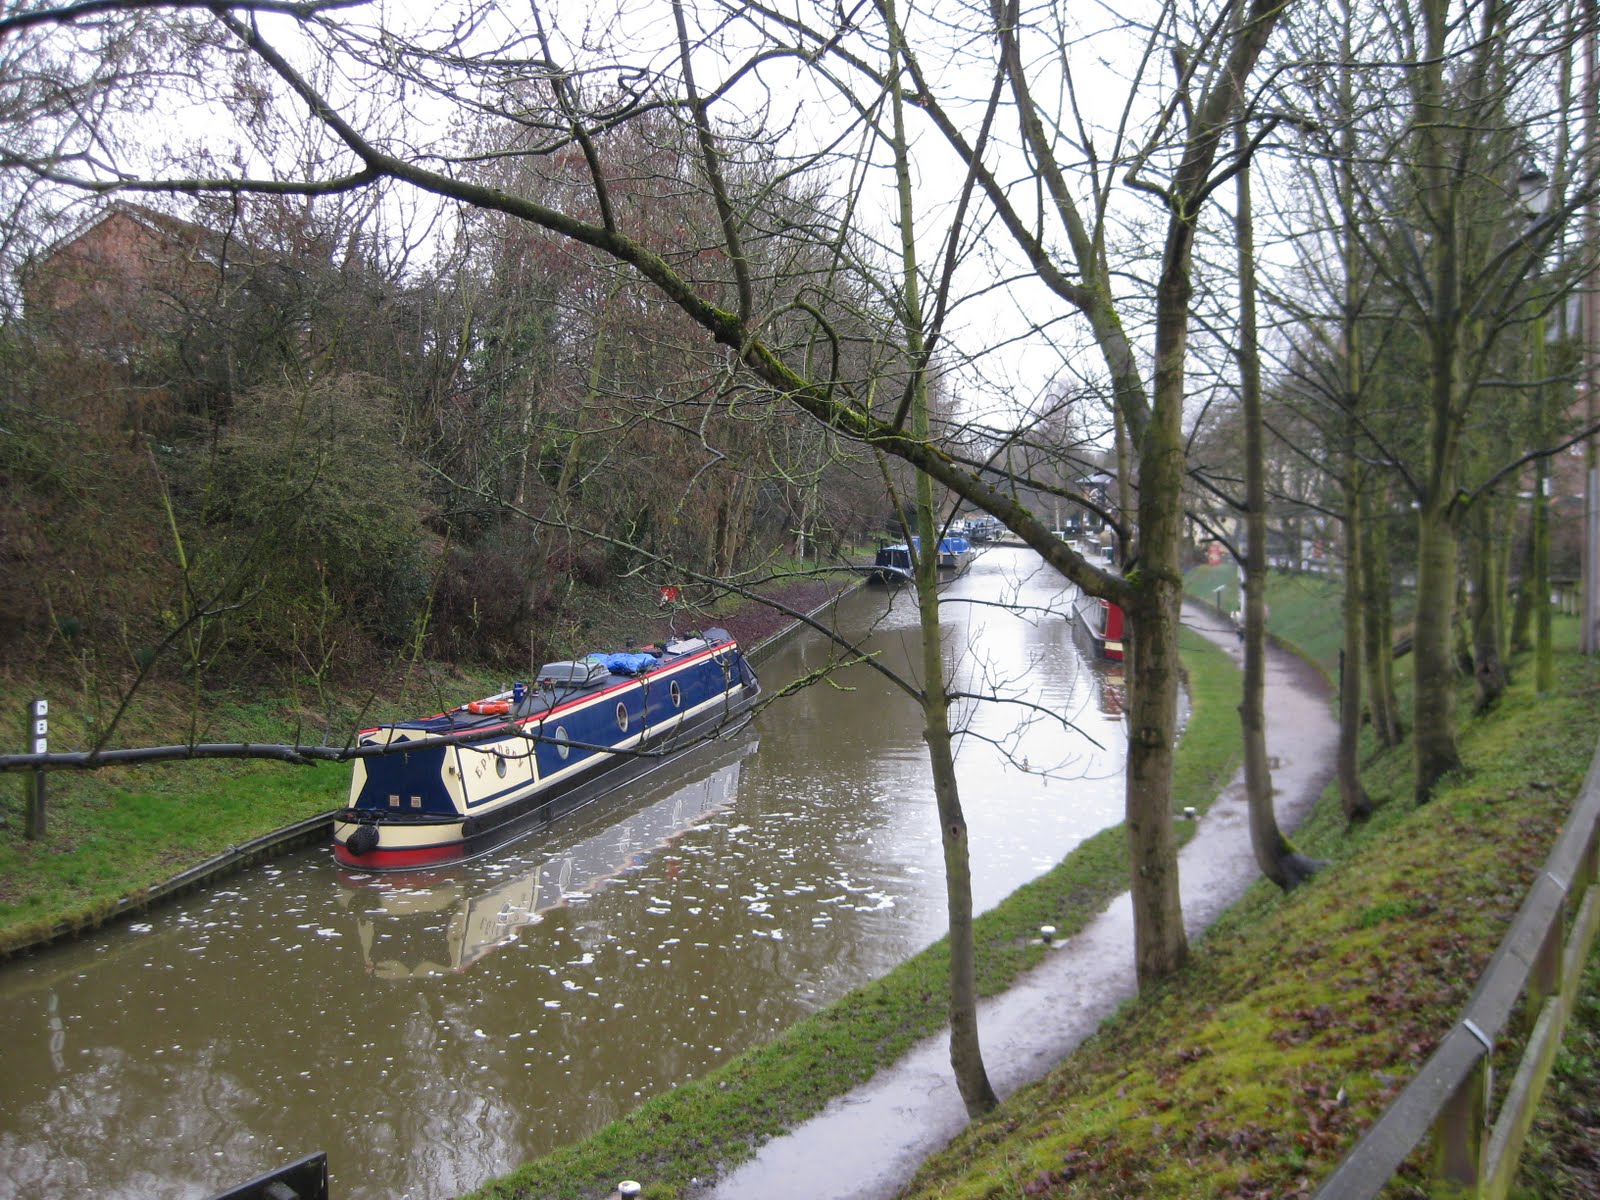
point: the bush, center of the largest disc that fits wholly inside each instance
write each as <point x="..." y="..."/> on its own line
<point x="311" y="524"/>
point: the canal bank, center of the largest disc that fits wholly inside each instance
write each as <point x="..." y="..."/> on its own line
<point x="763" y="627"/>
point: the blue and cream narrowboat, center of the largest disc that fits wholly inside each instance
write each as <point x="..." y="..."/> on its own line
<point x="490" y="770"/>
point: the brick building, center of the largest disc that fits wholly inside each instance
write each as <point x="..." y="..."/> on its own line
<point x="127" y="276"/>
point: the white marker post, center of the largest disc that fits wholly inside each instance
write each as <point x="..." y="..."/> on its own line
<point x="39" y="743"/>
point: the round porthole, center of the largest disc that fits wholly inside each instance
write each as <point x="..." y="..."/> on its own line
<point x="622" y="717"/>
<point x="562" y="749"/>
<point x="677" y="695"/>
<point x="500" y="766"/>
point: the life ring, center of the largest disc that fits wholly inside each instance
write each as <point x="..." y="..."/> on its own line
<point x="489" y="708"/>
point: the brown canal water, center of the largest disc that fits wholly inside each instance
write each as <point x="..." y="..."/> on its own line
<point x="432" y="1031"/>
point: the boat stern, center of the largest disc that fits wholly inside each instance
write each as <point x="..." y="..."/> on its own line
<point x="369" y="841"/>
<point x="406" y="806"/>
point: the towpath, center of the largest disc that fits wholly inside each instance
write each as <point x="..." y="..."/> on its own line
<point x="867" y="1144"/>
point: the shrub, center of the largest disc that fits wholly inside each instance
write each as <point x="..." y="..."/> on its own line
<point x="310" y="526"/>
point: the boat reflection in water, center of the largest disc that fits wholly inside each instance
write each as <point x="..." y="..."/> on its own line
<point x="438" y="922"/>
<point x="1113" y="690"/>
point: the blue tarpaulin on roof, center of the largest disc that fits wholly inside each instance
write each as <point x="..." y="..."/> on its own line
<point x="624" y="662"/>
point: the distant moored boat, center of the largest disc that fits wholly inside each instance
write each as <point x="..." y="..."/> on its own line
<point x="1102" y="624"/>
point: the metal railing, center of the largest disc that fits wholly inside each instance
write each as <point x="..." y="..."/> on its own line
<point x="1541" y="957"/>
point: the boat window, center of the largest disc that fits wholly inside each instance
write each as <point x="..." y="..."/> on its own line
<point x="499" y="766"/>
<point x="677" y="695"/>
<point x="562" y="749"/>
<point x="622" y="716"/>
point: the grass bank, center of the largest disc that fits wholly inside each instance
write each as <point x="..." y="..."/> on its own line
<point x="1254" y="1070"/>
<point x="112" y="835"/>
<point x="1302" y="609"/>
<point x="712" y="1123"/>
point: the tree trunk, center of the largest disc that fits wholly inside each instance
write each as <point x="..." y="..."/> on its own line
<point x="1482" y="610"/>
<point x="1434" y="738"/>
<point x="1378" y="626"/>
<point x="1161" y="945"/>
<point x="1537" y="581"/>
<point x="1504" y="537"/>
<point x="1434" y="709"/>
<point x="1522" y="609"/>
<point x="966" y="1054"/>
<point x="1353" y="799"/>
<point x="1274" y="855"/>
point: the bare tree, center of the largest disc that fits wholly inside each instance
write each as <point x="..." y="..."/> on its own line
<point x="1177" y="160"/>
<point x="1279" y="861"/>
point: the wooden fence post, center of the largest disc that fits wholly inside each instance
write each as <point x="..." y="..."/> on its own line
<point x="1458" y="1134"/>
<point x="1545" y="972"/>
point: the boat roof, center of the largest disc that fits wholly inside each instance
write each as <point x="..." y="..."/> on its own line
<point x="585" y="679"/>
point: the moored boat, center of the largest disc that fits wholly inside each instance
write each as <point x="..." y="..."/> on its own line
<point x="1102" y="623"/>
<point x="892" y="565"/>
<point x="495" y="768"/>
<point x="955" y="554"/>
<point x="447" y="919"/>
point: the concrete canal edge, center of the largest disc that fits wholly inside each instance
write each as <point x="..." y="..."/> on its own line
<point x="769" y="645"/>
<point x="234" y="858"/>
<point x="281" y="841"/>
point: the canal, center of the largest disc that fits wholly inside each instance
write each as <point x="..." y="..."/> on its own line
<point x="431" y="1031"/>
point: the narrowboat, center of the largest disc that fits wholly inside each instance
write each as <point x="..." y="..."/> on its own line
<point x="1102" y="624"/>
<point x="891" y="566"/>
<point x="492" y="769"/>
<point x="893" y="563"/>
<point x="955" y="555"/>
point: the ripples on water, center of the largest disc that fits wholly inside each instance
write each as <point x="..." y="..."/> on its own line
<point x="431" y="1031"/>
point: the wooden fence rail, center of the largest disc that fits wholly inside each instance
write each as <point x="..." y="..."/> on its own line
<point x="1542" y="957"/>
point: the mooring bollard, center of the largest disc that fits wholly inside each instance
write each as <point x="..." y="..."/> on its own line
<point x="38" y="743"/>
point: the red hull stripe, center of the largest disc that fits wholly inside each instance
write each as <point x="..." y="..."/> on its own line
<point x="423" y="856"/>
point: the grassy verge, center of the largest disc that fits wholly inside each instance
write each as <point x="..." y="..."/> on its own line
<point x="1253" y="1071"/>
<point x="117" y="833"/>
<point x="1562" y="1158"/>
<point x="714" y="1122"/>
<point x="1302" y="610"/>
